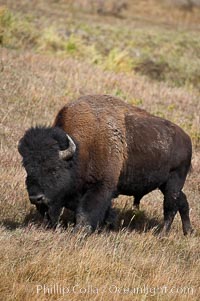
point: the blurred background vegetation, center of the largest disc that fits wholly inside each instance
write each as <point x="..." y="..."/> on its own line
<point x="157" y="39"/>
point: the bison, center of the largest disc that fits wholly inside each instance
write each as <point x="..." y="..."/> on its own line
<point x="98" y="148"/>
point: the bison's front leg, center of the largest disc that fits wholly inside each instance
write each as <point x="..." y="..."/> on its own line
<point x="92" y="209"/>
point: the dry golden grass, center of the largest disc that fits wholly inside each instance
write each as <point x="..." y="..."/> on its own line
<point x="33" y="88"/>
<point x="131" y="263"/>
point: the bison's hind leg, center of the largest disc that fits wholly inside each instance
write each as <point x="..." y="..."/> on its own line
<point x="184" y="213"/>
<point x="170" y="209"/>
<point x="175" y="200"/>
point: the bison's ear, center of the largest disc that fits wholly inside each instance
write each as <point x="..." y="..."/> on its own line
<point x="69" y="152"/>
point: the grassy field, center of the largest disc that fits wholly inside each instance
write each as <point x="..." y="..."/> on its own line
<point x="50" y="53"/>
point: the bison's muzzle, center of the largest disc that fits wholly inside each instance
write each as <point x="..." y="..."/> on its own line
<point x="37" y="199"/>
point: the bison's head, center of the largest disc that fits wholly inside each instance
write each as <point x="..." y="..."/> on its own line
<point x="47" y="158"/>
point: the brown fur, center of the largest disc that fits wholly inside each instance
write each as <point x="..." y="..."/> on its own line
<point x="118" y="149"/>
<point x="129" y="150"/>
<point x="98" y="124"/>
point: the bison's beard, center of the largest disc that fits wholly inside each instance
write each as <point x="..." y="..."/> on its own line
<point x="53" y="214"/>
<point x="49" y="210"/>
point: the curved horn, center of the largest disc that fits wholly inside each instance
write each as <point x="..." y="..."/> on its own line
<point x="68" y="153"/>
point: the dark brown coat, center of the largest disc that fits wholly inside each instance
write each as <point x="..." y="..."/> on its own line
<point x="121" y="149"/>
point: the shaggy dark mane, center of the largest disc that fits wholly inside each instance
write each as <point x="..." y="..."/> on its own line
<point x="42" y="139"/>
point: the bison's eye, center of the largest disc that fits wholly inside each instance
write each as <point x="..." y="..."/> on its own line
<point x="50" y="171"/>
